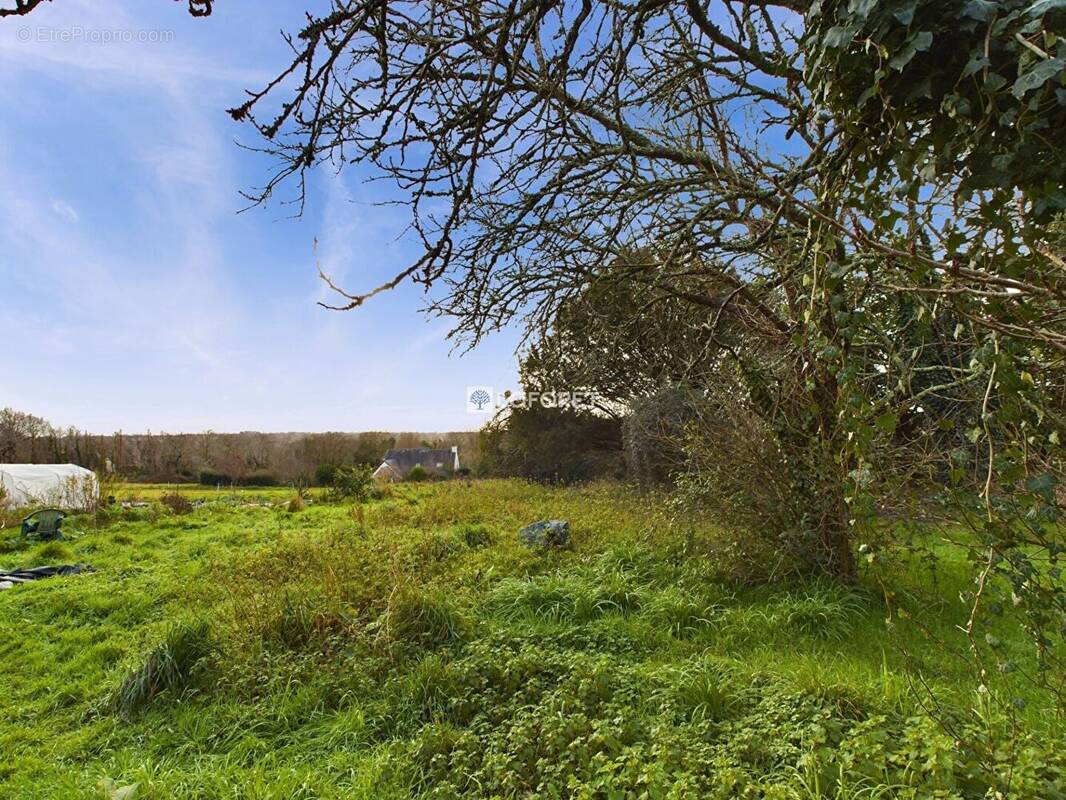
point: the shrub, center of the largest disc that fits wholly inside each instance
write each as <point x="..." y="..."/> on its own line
<point x="174" y="665"/>
<point x="353" y="483"/>
<point x="417" y="473"/>
<point x="473" y="535"/>
<point x="259" y="478"/>
<point x="176" y="503"/>
<point x="324" y="474"/>
<point x="295" y="505"/>
<point x="108" y="484"/>
<point x="652" y="432"/>
<point x="210" y="477"/>
<point x="551" y="445"/>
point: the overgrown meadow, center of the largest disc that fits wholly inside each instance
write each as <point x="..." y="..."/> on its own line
<point x="410" y="646"/>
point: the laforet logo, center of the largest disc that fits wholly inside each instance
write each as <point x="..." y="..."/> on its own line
<point x="478" y="399"/>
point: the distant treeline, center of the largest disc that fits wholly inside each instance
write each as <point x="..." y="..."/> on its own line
<point x="216" y="458"/>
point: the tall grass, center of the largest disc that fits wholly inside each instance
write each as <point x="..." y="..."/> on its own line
<point x="417" y="649"/>
<point x="172" y="667"/>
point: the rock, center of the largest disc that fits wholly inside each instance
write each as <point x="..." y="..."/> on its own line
<point x="546" y="533"/>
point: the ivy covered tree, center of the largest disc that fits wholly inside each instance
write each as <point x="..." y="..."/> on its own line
<point x="794" y="166"/>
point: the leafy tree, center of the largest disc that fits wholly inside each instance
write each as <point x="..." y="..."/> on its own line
<point x="324" y="474"/>
<point x="551" y="445"/>
<point x="352" y="483"/>
<point x="731" y="140"/>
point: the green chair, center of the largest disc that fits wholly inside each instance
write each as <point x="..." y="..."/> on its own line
<point x="44" y="525"/>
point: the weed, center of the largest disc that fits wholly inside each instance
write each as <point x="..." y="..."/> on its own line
<point x="702" y="690"/>
<point x="822" y="611"/>
<point x="176" y="503"/>
<point x="172" y="666"/>
<point x="474" y="535"/>
<point x="422" y="619"/>
<point x="681" y="613"/>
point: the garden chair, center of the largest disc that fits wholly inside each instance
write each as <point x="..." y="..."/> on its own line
<point x="45" y="524"/>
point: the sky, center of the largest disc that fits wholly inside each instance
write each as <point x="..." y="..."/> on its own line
<point x="134" y="296"/>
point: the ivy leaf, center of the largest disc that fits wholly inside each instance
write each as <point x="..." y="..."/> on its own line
<point x="905" y="15"/>
<point x="1038" y="76"/>
<point x="887" y="422"/>
<point x="995" y="82"/>
<point x="981" y="10"/>
<point x="1043" y="485"/>
<point x="861" y="8"/>
<point x="919" y="42"/>
<point x="838" y="37"/>
<point x="1041" y="7"/>
<point x="975" y="64"/>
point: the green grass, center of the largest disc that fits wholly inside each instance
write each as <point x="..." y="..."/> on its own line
<point x="417" y="649"/>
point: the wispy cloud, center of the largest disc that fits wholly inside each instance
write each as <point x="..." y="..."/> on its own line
<point x="65" y="210"/>
<point x="134" y="279"/>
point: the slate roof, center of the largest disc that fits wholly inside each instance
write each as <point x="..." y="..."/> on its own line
<point x="404" y="458"/>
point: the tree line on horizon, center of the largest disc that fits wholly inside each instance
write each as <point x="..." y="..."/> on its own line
<point x="248" y="457"/>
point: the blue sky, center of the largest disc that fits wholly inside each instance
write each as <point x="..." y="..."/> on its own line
<point x="134" y="295"/>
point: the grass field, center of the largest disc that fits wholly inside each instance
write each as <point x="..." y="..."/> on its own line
<point x="412" y="647"/>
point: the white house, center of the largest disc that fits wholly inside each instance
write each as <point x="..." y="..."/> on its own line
<point x="399" y="462"/>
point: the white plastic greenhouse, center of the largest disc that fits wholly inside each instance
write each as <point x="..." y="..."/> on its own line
<point x="55" y="485"/>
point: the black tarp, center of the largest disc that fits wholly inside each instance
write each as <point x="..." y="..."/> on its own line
<point x="37" y="573"/>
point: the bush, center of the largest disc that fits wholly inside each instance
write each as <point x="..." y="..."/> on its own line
<point x="417" y="473"/>
<point x="209" y="477"/>
<point x="324" y="474"/>
<point x="353" y="483"/>
<point x="474" y="536"/>
<point x="552" y="445"/>
<point x="177" y="503"/>
<point x="295" y="505"/>
<point x="108" y="485"/>
<point x="258" y="478"/>
<point x="652" y="433"/>
<point x="174" y="666"/>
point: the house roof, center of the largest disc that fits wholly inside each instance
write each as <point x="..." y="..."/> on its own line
<point x="405" y="458"/>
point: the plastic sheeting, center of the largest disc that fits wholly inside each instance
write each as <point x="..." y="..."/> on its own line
<point x="56" y="485"/>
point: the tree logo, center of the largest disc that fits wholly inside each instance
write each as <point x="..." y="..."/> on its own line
<point x="478" y="399"/>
